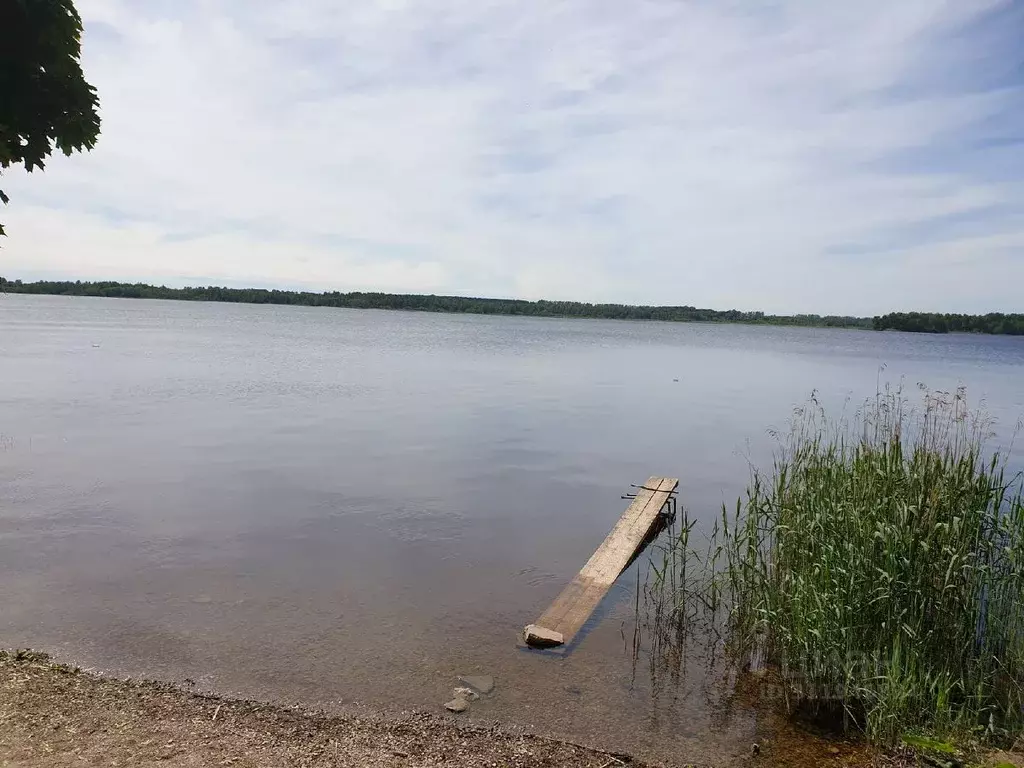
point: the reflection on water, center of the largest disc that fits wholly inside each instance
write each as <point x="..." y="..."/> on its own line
<point x="342" y="507"/>
<point x="679" y="651"/>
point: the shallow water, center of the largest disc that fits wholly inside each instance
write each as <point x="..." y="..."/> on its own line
<point x="341" y="507"/>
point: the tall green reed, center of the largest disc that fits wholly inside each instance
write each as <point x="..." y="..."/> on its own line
<point x="879" y="567"/>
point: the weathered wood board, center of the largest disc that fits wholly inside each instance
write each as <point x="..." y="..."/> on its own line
<point x="571" y="609"/>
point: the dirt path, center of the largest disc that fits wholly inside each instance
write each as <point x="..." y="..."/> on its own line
<point x="51" y="715"/>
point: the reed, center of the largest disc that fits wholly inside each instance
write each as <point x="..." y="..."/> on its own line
<point x="879" y="568"/>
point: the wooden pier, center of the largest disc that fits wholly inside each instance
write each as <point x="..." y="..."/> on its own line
<point x="571" y="609"/>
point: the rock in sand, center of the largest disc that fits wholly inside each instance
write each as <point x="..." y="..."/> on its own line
<point x="458" y="704"/>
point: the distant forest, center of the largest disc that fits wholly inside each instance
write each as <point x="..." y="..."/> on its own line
<point x="933" y="322"/>
<point x="914" y="321"/>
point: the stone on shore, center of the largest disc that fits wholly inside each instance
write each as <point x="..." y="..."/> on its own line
<point x="458" y="704"/>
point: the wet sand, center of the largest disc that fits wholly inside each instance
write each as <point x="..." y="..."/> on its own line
<point x="52" y="715"/>
<point x="55" y="715"/>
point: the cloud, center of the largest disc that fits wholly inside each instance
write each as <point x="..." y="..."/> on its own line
<point x="785" y="156"/>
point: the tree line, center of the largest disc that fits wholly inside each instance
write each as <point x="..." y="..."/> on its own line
<point x="427" y="303"/>
<point x="919" y="322"/>
<point x="934" y="322"/>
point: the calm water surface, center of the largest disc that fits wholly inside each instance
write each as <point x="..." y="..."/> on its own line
<point x="342" y="507"/>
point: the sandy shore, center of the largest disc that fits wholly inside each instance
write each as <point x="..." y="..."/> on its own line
<point x="52" y="715"/>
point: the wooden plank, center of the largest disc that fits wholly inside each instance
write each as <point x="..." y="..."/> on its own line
<point x="571" y="609"/>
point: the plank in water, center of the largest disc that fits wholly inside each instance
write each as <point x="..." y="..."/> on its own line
<point x="571" y="609"/>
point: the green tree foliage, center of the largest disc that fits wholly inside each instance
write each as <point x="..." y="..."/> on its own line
<point x="424" y="303"/>
<point x="932" y="322"/>
<point x="45" y="101"/>
<point x="919" y="322"/>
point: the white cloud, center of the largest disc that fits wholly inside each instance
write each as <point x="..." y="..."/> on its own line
<point x="745" y="154"/>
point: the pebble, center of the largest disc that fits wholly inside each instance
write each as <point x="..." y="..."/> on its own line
<point x="467" y="693"/>
<point x="458" y="704"/>
<point x="483" y="684"/>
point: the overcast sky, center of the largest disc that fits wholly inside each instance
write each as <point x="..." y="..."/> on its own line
<point x="802" y="155"/>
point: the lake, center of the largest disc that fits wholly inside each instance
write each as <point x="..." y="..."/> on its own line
<point x="349" y="508"/>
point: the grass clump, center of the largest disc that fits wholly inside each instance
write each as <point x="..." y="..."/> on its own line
<point x="880" y="568"/>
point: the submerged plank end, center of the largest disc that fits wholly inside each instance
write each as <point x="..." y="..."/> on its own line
<point x="537" y="636"/>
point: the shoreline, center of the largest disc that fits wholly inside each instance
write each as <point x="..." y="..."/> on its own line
<point x="56" y="714"/>
<point x="917" y="323"/>
<point x="431" y="304"/>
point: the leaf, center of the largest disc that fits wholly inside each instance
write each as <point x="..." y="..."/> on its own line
<point x="47" y="100"/>
<point x="925" y="742"/>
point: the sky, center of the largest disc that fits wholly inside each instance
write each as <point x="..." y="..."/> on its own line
<point x="786" y="156"/>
